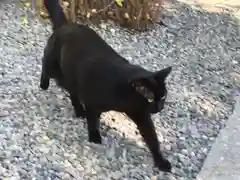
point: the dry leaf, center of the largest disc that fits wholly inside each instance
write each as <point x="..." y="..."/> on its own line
<point x="110" y="13"/>
<point x="88" y="15"/>
<point x="65" y="3"/>
<point x="148" y="16"/>
<point x="126" y="15"/>
<point x="94" y="11"/>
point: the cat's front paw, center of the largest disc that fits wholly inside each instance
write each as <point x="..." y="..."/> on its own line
<point x="164" y="165"/>
<point x="95" y="137"/>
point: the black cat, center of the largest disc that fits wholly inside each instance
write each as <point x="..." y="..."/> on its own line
<point x="98" y="79"/>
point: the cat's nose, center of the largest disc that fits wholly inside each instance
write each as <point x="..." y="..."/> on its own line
<point x="160" y="106"/>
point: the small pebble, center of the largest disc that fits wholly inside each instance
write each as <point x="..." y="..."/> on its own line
<point x="41" y="139"/>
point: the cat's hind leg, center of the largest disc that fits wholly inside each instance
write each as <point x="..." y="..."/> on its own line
<point x="78" y="107"/>
<point x="44" y="82"/>
<point x="49" y="63"/>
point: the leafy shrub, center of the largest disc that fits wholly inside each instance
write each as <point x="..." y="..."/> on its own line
<point x="136" y="14"/>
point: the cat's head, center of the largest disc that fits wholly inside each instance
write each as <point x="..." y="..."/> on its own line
<point x="152" y="88"/>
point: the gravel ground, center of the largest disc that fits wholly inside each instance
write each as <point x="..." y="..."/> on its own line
<point x="39" y="138"/>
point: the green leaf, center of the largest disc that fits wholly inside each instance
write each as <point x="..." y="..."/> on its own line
<point x="119" y="2"/>
<point x="24" y="20"/>
<point x="27" y="4"/>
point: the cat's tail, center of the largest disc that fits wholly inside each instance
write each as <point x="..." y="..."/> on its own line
<point x="56" y="13"/>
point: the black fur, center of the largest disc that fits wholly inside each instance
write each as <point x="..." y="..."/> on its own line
<point x="56" y="13"/>
<point x="99" y="79"/>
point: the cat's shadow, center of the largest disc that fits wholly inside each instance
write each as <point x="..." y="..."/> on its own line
<point x="122" y="145"/>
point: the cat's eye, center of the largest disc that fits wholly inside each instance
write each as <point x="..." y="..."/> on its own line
<point x="150" y="100"/>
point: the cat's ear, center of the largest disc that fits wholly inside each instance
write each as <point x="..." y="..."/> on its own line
<point x="162" y="74"/>
<point x="140" y="77"/>
<point x="144" y="76"/>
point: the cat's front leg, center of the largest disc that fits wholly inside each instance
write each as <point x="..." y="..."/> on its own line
<point x="93" y="124"/>
<point x="147" y="130"/>
<point x="78" y="108"/>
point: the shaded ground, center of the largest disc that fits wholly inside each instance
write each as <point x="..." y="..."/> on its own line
<point x="39" y="138"/>
<point x="223" y="161"/>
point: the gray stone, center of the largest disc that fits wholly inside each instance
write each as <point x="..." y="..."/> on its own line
<point x="116" y="175"/>
<point x="202" y="54"/>
<point x="181" y="113"/>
